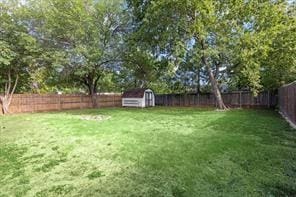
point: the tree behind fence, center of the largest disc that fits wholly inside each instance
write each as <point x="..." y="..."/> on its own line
<point x="233" y="99"/>
<point x="53" y="102"/>
<point x="47" y="102"/>
<point x="287" y="101"/>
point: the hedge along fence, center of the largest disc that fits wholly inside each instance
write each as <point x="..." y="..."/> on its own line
<point x="233" y="99"/>
<point x="287" y="102"/>
<point x="53" y="102"/>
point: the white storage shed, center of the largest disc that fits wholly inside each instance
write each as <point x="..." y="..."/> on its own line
<point x="141" y="97"/>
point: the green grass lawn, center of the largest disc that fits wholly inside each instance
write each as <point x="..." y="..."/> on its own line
<point x="147" y="152"/>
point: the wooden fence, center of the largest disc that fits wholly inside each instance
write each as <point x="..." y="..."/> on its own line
<point x="52" y="102"/>
<point x="287" y="102"/>
<point x="233" y="99"/>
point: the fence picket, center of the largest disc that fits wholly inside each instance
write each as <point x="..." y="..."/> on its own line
<point x="234" y="99"/>
<point x="287" y="101"/>
<point x="37" y="102"/>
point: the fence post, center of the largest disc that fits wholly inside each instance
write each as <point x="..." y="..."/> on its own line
<point x="287" y="102"/>
<point x="240" y="99"/>
<point x="268" y="99"/>
<point x="166" y="100"/>
<point x="113" y="100"/>
<point x="60" y="102"/>
<point x="179" y="99"/>
<point x="32" y="98"/>
<point x="80" y="101"/>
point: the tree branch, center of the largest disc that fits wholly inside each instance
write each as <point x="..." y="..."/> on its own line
<point x="9" y="82"/>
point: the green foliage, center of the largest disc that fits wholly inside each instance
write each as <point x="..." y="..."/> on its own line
<point x="112" y="45"/>
<point x="267" y="45"/>
<point x="240" y="36"/>
<point x="142" y="67"/>
<point x="19" y="49"/>
<point x="87" y="34"/>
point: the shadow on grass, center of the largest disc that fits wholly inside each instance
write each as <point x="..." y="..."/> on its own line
<point x="247" y="152"/>
<point x="153" y="110"/>
<point x="232" y="153"/>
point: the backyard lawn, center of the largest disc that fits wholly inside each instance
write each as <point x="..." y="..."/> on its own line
<point x="147" y="152"/>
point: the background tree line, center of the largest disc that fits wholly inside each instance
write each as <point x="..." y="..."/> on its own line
<point x="170" y="46"/>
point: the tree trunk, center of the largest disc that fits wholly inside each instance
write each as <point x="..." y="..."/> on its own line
<point x="94" y="100"/>
<point x="93" y="95"/>
<point x="213" y="81"/>
<point x="8" y="93"/>
<point x="91" y="85"/>
<point x="217" y="67"/>
<point x="215" y="89"/>
<point x="4" y="105"/>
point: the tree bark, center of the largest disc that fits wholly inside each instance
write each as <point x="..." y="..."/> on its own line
<point x="217" y="67"/>
<point x="91" y="84"/>
<point x="6" y="99"/>
<point x="214" y="84"/>
<point x="215" y="89"/>
<point x="92" y="93"/>
<point x="94" y="99"/>
<point x="4" y="105"/>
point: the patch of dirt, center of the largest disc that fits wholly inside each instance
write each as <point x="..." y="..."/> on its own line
<point x="95" y="117"/>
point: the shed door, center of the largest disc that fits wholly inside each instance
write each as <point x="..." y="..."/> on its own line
<point x="148" y="99"/>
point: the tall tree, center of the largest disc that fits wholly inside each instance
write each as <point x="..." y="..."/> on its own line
<point x="264" y="51"/>
<point x="86" y="32"/>
<point x="183" y="24"/>
<point x="232" y="35"/>
<point x="18" y="51"/>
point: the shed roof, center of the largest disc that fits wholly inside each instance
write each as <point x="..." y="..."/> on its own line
<point x="135" y="93"/>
